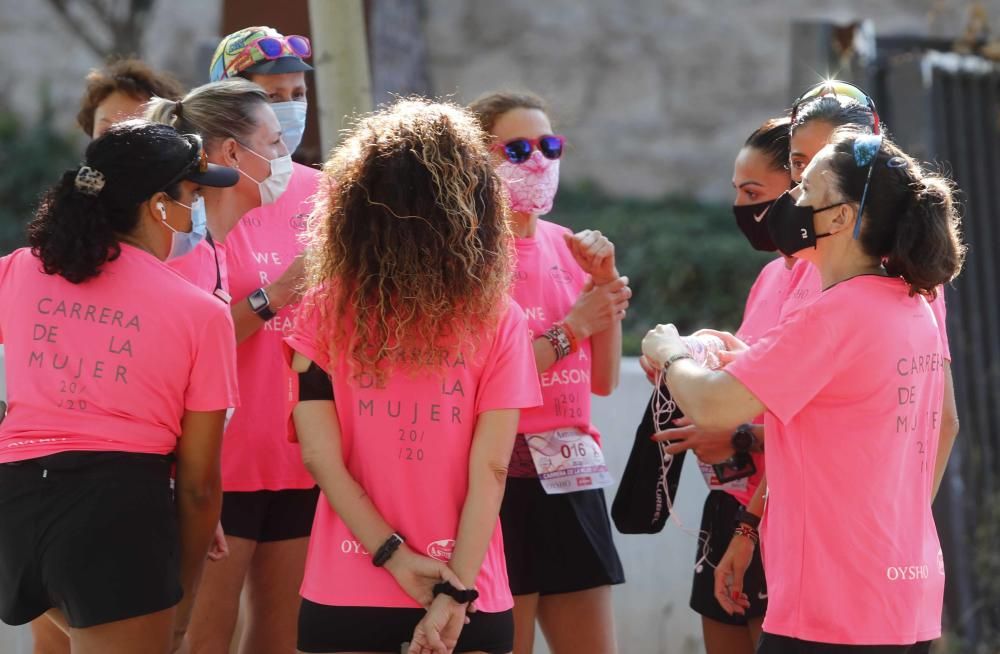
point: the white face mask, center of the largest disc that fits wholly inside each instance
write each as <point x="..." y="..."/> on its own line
<point x="276" y="183"/>
<point x="292" y="118"/>
<point x="182" y="243"/>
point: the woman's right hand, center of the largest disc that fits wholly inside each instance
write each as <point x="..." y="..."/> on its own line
<point x="729" y="575"/>
<point x="598" y="308"/>
<point x="417" y="574"/>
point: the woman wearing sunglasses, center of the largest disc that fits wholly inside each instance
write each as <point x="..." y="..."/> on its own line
<point x="560" y="554"/>
<point x="413" y="365"/>
<point x="117" y="371"/>
<point x="269" y="498"/>
<point x="853" y="385"/>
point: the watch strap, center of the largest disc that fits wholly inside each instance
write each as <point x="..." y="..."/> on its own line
<point x="264" y="311"/>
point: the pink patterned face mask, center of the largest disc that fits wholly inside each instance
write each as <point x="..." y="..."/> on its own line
<point x="531" y="185"/>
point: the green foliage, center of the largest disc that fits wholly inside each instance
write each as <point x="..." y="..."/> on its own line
<point x="32" y="157"/>
<point x="687" y="262"/>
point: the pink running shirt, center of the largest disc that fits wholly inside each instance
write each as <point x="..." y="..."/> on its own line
<point x="110" y="364"/>
<point x="407" y="444"/>
<point x="256" y="453"/>
<point x="546" y="284"/>
<point x="853" y="384"/>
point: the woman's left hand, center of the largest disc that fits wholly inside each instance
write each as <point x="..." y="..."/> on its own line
<point x="438" y="631"/>
<point x="595" y="254"/>
<point x="708" y="446"/>
<point x="661" y="343"/>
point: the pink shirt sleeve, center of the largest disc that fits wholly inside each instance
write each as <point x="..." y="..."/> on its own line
<point x="5" y="305"/>
<point x="790" y="364"/>
<point x="302" y="338"/>
<point x="212" y="384"/>
<point x="510" y="377"/>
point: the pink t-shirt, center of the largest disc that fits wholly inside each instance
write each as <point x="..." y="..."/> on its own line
<point x="547" y="283"/>
<point x="110" y="364"/>
<point x="206" y="266"/>
<point x="256" y="453"/>
<point x="407" y="444"/>
<point x="778" y="292"/>
<point x="853" y="384"/>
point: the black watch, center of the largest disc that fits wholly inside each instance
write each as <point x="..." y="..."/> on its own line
<point x="460" y="596"/>
<point x="744" y="439"/>
<point x="261" y="304"/>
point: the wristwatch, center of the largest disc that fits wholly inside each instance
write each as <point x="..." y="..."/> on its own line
<point x="261" y="304"/>
<point x="743" y="439"/>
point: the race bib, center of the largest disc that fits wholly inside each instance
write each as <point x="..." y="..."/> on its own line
<point x="708" y="472"/>
<point x="568" y="460"/>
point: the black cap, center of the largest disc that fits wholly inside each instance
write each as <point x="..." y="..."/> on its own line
<point x="289" y="64"/>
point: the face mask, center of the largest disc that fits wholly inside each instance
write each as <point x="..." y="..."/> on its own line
<point x="750" y="218"/>
<point x="292" y="117"/>
<point x="184" y="242"/>
<point x="276" y="183"/>
<point x="791" y="227"/>
<point x="531" y="185"/>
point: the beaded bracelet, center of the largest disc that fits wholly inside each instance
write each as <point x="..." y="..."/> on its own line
<point x="747" y="532"/>
<point x="556" y="336"/>
<point x="574" y="344"/>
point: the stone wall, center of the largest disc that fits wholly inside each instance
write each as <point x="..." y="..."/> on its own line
<point x="655" y="96"/>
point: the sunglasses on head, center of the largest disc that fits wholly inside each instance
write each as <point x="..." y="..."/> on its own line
<point x="269" y="48"/>
<point x="838" y="89"/>
<point x="518" y="151"/>
<point x="866" y="149"/>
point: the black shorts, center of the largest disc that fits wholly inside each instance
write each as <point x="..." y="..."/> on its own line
<point x="771" y="644"/>
<point x="718" y="521"/>
<point x="93" y="534"/>
<point x="557" y="543"/>
<point x="373" y="629"/>
<point x="267" y="515"/>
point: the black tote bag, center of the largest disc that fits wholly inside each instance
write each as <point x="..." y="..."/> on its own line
<point x="641" y="504"/>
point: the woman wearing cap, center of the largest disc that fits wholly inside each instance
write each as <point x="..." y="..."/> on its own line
<point x="413" y="364"/>
<point x="269" y="497"/>
<point x="119" y="92"/>
<point x="560" y="553"/>
<point x="115" y="369"/>
<point x="853" y="404"/>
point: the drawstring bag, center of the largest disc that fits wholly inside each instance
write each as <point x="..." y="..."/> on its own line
<point x="649" y="484"/>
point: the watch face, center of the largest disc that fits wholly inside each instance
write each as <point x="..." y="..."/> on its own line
<point x="257" y="300"/>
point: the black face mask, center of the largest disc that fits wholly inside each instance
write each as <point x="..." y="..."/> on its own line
<point x="751" y="220"/>
<point x="792" y="227"/>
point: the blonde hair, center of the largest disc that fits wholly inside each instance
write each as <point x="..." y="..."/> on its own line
<point x="214" y="111"/>
<point x="409" y="244"/>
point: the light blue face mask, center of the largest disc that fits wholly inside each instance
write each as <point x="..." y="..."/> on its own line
<point x="292" y="118"/>
<point x="184" y="242"/>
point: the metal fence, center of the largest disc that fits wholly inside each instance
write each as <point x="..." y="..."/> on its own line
<point x="945" y="107"/>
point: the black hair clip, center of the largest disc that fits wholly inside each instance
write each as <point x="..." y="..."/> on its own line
<point x="896" y="162"/>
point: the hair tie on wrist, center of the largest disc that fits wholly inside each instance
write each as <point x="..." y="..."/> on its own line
<point x="89" y="181"/>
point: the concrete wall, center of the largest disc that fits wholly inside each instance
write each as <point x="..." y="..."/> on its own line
<point x="651" y="609"/>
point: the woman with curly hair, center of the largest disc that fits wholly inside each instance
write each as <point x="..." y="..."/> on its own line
<point x="413" y="366"/>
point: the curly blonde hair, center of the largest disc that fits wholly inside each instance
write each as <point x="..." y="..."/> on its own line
<point x="409" y="243"/>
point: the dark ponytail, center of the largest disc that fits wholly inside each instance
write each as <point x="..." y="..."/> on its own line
<point x="835" y="111"/>
<point x="75" y="229"/>
<point x="772" y="140"/>
<point x="910" y="219"/>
